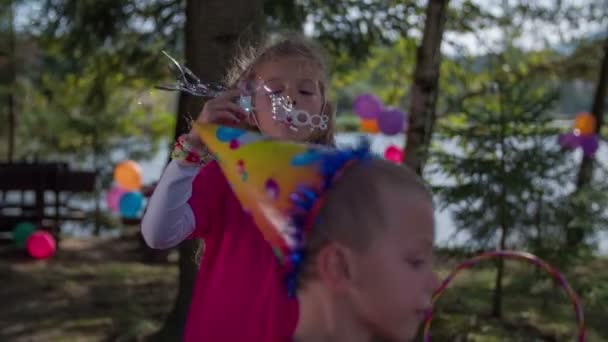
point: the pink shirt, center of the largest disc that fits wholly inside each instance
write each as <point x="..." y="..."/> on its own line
<point x="240" y="293"/>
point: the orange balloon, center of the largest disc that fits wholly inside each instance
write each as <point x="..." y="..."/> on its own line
<point x="369" y="126"/>
<point x="127" y="175"/>
<point x="584" y="124"/>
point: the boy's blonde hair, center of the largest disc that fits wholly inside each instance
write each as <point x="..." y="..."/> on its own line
<point x="353" y="210"/>
<point x="290" y="44"/>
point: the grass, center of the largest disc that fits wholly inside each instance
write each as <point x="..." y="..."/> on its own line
<point x="98" y="291"/>
<point x="534" y="307"/>
<point x="83" y="296"/>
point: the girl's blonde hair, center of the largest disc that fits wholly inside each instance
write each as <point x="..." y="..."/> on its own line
<point x="291" y="44"/>
<point x="248" y="59"/>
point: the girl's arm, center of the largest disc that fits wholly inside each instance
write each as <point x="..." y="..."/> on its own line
<point x="169" y="219"/>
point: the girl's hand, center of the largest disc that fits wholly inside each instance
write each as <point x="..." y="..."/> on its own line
<point x="220" y="110"/>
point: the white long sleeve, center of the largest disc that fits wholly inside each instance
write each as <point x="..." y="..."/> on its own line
<point x="169" y="219"/>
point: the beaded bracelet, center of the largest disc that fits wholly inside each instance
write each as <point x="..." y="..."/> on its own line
<point x="184" y="151"/>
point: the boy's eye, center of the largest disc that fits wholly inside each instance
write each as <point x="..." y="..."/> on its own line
<point x="416" y="263"/>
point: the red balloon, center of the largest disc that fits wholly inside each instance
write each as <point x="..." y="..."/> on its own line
<point x="41" y="245"/>
<point x="394" y="154"/>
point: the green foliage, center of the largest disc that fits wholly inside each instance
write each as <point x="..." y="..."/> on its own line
<point x="507" y="159"/>
<point x="505" y="172"/>
<point x="87" y="95"/>
<point x="351" y="27"/>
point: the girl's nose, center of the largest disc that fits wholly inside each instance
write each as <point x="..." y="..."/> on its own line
<point x="293" y="94"/>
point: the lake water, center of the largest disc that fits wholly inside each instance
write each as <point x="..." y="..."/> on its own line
<point x="445" y="226"/>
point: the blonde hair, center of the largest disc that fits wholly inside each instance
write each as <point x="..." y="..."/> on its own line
<point x="290" y="44"/>
<point x="353" y="212"/>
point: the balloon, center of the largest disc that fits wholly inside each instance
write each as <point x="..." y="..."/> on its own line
<point x="367" y="106"/>
<point x="584" y="124"/>
<point x="130" y="204"/>
<point x="21" y="232"/>
<point x="113" y="197"/>
<point x="394" y="154"/>
<point x="569" y="141"/>
<point x="391" y="121"/>
<point x="41" y="245"/>
<point x="369" y="126"/>
<point x="128" y="175"/>
<point x="590" y="144"/>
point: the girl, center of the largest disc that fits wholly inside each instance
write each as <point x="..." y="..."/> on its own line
<point x="240" y="293"/>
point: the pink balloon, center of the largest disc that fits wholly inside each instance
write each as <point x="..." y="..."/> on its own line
<point x="391" y="121"/>
<point x="113" y="197"/>
<point x="40" y="245"/>
<point x="367" y="106"/>
<point x="394" y="154"/>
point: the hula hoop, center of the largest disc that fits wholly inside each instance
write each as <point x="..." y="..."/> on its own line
<point x="530" y="258"/>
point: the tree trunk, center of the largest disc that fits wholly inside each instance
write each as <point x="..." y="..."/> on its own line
<point x="504" y="222"/>
<point x="213" y="30"/>
<point x="12" y="124"/>
<point x="424" y="89"/>
<point x="500" y="270"/>
<point x="576" y="235"/>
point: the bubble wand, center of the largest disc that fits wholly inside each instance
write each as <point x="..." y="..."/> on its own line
<point x="282" y="106"/>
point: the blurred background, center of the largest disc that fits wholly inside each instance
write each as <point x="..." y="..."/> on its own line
<point x="505" y="104"/>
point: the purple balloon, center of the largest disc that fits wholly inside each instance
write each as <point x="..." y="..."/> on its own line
<point x="391" y="121"/>
<point x="367" y="106"/>
<point x="569" y="141"/>
<point x="590" y="144"/>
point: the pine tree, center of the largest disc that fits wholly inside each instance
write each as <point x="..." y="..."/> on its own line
<point x="508" y="175"/>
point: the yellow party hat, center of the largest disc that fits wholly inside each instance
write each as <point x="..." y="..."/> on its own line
<point x="281" y="184"/>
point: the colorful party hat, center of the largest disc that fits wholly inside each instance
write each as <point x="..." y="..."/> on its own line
<point x="281" y="184"/>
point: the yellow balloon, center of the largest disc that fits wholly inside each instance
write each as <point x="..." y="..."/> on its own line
<point x="369" y="126"/>
<point x="127" y="175"/>
<point x="584" y="124"/>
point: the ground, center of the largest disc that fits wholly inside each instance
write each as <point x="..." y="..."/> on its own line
<point x="98" y="290"/>
<point x="91" y="290"/>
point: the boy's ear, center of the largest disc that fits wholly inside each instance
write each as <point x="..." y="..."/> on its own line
<point x="333" y="267"/>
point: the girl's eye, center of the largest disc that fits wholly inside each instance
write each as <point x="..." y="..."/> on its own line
<point x="306" y="92"/>
<point x="274" y="88"/>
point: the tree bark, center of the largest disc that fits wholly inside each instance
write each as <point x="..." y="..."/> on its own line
<point x="213" y="30"/>
<point x="504" y="221"/>
<point x="424" y="89"/>
<point x="12" y="122"/>
<point x="576" y="235"/>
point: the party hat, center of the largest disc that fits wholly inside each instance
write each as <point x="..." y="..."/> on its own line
<point x="281" y="184"/>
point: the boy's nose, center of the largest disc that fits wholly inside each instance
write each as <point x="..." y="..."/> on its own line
<point x="435" y="282"/>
